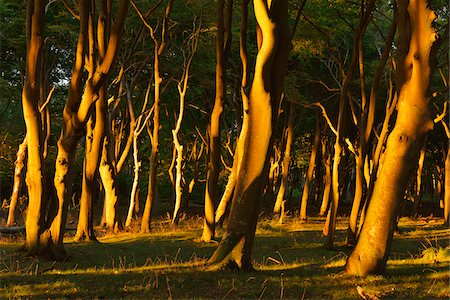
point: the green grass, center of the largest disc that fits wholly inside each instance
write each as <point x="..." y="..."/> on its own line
<point x="289" y="259"/>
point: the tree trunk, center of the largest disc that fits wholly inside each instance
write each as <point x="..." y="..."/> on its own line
<point x="326" y="161"/>
<point x="447" y="189"/>
<point x="30" y="98"/>
<point x="418" y="190"/>
<point x="236" y="245"/>
<point x="214" y="129"/>
<point x="94" y="138"/>
<point x="182" y="88"/>
<point x="309" y="173"/>
<point x="404" y="143"/>
<point x="286" y="159"/>
<point x="366" y="12"/>
<point x="19" y="171"/>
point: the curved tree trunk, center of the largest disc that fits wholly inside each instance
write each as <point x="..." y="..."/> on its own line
<point x="34" y="222"/>
<point x="19" y="171"/>
<point x="235" y="248"/>
<point x="286" y="160"/>
<point x="94" y="138"/>
<point x="309" y="173"/>
<point x="214" y="130"/>
<point x="404" y="143"/>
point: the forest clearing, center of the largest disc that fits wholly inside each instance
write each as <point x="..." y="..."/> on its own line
<point x="290" y="263"/>
<point x="224" y="149"/>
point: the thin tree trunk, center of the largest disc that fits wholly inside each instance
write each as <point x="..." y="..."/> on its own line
<point x="214" y="128"/>
<point x="19" y="172"/>
<point x="418" y="190"/>
<point x="366" y="12"/>
<point x="447" y="189"/>
<point x="286" y="159"/>
<point x="182" y="88"/>
<point x="309" y="173"/>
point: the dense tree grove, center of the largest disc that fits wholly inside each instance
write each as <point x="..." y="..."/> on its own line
<point x="311" y="107"/>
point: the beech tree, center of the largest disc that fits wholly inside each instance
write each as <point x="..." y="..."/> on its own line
<point x="236" y="245"/>
<point x="405" y="141"/>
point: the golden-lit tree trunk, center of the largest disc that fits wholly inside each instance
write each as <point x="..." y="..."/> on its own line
<point x="364" y="122"/>
<point x="110" y="218"/>
<point x="418" y="191"/>
<point x="232" y="177"/>
<point x="19" y="171"/>
<point x="214" y="130"/>
<point x="76" y="112"/>
<point x="236" y="245"/>
<point x="182" y="88"/>
<point x="94" y="138"/>
<point x="447" y="189"/>
<point x="403" y="145"/>
<point x="286" y="161"/>
<point x="30" y="100"/>
<point x="326" y="161"/>
<point x="309" y="173"/>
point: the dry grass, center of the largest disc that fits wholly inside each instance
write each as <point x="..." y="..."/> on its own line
<point x="169" y="263"/>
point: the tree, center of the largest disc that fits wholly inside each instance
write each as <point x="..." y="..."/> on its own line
<point x="405" y="141"/>
<point x="236" y="245"/>
<point x="222" y="49"/>
<point x="30" y="99"/>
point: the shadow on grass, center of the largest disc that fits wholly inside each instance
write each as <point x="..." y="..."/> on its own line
<point x="290" y="264"/>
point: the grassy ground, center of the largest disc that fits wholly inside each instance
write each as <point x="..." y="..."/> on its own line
<point x="289" y="260"/>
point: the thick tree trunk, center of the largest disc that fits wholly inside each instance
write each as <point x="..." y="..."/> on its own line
<point x="236" y="245"/>
<point x="19" y="170"/>
<point x="404" y="143"/>
<point x="30" y="98"/>
<point x="309" y="173"/>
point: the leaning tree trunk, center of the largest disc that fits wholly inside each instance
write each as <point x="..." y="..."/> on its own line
<point x="19" y="171"/>
<point x="236" y="245"/>
<point x="309" y="173"/>
<point x="30" y="99"/>
<point x="404" y="143"/>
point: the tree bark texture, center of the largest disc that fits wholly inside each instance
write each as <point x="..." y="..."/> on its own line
<point x="403" y="145"/>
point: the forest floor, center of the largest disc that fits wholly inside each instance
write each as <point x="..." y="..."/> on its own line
<point x="289" y="259"/>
